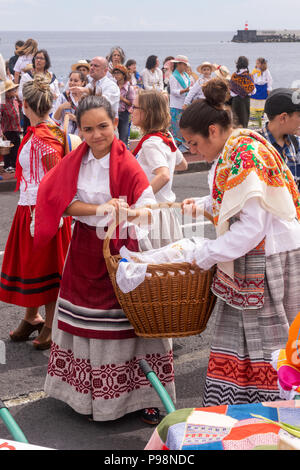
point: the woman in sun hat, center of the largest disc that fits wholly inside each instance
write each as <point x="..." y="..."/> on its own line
<point x="221" y="71"/>
<point x="179" y="83"/>
<point x="122" y="76"/>
<point x="195" y="93"/>
<point x="81" y="66"/>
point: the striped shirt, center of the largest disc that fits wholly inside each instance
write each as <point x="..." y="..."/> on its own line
<point x="290" y="152"/>
<point x="10" y="115"/>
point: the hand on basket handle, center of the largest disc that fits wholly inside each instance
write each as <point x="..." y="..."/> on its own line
<point x="189" y="207"/>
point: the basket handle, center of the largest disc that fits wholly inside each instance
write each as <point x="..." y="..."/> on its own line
<point x="66" y="123"/>
<point x="162" y="205"/>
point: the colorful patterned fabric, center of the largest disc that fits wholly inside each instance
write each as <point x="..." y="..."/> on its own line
<point x="242" y="84"/>
<point x="250" y="166"/>
<point x="174" y="128"/>
<point x="246" y="288"/>
<point x="287" y="363"/>
<point x="10" y="115"/>
<point x="243" y="341"/>
<point x="225" y="427"/>
<point x="290" y="152"/>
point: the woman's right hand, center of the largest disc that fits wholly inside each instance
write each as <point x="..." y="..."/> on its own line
<point x="113" y="206"/>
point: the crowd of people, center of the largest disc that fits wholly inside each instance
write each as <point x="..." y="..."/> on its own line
<point x="254" y="200"/>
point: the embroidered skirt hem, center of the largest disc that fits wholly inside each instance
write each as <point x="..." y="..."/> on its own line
<point x="102" y="378"/>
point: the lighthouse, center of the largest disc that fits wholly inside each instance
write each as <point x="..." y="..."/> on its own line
<point x="246" y="26"/>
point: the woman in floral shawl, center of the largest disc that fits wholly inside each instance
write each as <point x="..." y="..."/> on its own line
<point x="256" y="209"/>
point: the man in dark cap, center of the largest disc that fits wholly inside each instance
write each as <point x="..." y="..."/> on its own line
<point x="282" y="108"/>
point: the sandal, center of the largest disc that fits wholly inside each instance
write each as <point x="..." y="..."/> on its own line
<point x="24" y="330"/>
<point x="150" y="416"/>
<point x="43" y="341"/>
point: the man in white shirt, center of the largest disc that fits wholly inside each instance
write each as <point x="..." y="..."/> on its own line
<point x="100" y="84"/>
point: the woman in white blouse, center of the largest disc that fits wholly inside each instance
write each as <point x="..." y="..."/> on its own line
<point x="152" y="75"/>
<point x="159" y="157"/>
<point x="256" y="209"/>
<point x="99" y="179"/>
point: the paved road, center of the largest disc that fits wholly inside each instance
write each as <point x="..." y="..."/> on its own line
<point x="50" y="423"/>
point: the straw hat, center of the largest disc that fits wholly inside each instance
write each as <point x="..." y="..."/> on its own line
<point x="80" y="63"/>
<point x="72" y="142"/>
<point x="7" y="86"/>
<point x="205" y="64"/>
<point x="181" y="59"/>
<point x="222" y="72"/>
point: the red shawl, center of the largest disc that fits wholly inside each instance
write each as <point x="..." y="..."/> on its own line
<point x="165" y="137"/>
<point x="59" y="186"/>
<point x="44" y="140"/>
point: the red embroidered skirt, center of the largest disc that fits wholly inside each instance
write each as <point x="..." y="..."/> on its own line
<point x="31" y="277"/>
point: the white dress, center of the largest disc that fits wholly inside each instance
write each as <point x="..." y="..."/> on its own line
<point x="156" y="154"/>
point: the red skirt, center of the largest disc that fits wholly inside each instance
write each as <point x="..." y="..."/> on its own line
<point x="31" y="277"/>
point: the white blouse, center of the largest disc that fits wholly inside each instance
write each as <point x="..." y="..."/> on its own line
<point x="93" y="187"/>
<point x="177" y="99"/>
<point x="153" y="80"/>
<point x="156" y="154"/>
<point x="263" y="78"/>
<point x="28" y="195"/>
<point x="244" y="235"/>
<point x="22" y="62"/>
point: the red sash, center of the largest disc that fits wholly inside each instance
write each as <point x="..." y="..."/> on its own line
<point x="165" y="137"/>
<point x="44" y="135"/>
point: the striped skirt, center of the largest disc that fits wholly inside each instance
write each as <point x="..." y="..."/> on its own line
<point x="239" y="369"/>
<point x="31" y="277"/>
<point x="94" y="360"/>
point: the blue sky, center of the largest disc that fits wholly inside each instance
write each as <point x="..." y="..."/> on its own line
<point x="150" y="15"/>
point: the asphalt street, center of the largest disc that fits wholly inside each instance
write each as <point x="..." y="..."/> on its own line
<point x="49" y="423"/>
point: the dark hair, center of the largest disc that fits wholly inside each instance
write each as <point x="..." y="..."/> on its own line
<point x="170" y="57"/>
<point x="19" y="43"/>
<point x="242" y="63"/>
<point x="151" y="62"/>
<point x="203" y="113"/>
<point x="130" y="62"/>
<point x="81" y="75"/>
<point x="47" y="58"/>
<point x="93" y="102"/>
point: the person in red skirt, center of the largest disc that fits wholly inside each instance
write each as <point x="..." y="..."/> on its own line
<point x="31" y="277"/>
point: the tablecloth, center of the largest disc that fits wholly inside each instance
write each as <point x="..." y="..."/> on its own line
<point x="229" y="427"/>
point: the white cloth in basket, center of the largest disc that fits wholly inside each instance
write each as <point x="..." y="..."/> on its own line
<point x="132" y="273"/>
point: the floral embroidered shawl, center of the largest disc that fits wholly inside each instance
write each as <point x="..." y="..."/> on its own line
<point x="250" y="166"/>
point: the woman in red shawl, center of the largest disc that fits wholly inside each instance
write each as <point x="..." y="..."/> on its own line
<point x="94" y="361"/>
<point x="30" y="278"/>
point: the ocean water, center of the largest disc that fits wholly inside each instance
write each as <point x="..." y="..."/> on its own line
<point x="65" y="48"/>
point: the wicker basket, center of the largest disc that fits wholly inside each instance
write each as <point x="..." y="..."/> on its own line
<point x="6" y="150"/>
<point x="176" y="301"/>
